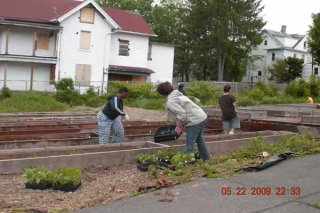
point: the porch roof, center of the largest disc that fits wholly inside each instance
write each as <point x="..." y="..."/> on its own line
<point x="127" y="70"/>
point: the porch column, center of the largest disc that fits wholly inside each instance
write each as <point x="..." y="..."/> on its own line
<point x="5" y="66"/>
<point x="34" y="43"/>
<point x="7" y="40"/>
<point x="31" y="77"/>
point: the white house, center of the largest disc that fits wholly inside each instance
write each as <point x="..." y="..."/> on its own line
<point x="46" y="40"/>
<point x="279" y="45"/>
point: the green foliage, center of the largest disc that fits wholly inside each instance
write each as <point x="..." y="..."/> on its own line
<point x="205" y="91"/>
<point x="165" y="155"/>
<point x="141" y="90"/>
<point x="145" y="158"/>
<point x="286" y="70"/>
<point x="67" y="176"/>
<point x="298" y="88"/>
<point x="313" y="38"/>
<point x="31" y="102"/>
<point x="38" y="175"/>
<point x="5" y="93"/>
<point x="91" y="98"/>
<point x="314" y="86"/>
<point x="66" y="92"/>
<point x="182" y="158"/>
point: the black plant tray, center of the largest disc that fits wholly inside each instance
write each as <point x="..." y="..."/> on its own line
<point x="165" y="133"/>
<point x="66" y="188"/>
<point x="40" y="186"/>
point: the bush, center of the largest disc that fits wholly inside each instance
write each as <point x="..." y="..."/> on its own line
<point x="143" y="90"/>
<point x="314" y="86"/>
<point x="5" y="93"/>
<point x="205" y="91"/>
<point x="91" y="99"/>
<point x="66" y="92"/>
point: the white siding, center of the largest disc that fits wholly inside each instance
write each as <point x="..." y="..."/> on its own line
<point x="138" y="52"/>
<point x="18" y="76"/>
<point x="162" y="62"/>
<point x="41" y="78"/>
<point x="1" y="74"/>
<point x="70" y="53"/>
<point x="20" y="41"/>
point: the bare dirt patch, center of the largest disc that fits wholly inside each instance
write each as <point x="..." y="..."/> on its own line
<point x="99" y="185"/>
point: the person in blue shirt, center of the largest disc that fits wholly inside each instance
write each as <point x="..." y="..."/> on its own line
<point x="109" y="118"/>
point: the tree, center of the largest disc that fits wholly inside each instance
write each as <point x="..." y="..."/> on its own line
<point x="286" y="70"/>
<point x="313" y="39"/>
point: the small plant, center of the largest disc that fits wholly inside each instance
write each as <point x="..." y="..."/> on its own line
<point x="145" y="158"/>
<point x="182" y="158"/>
<point x="67" y="176"/>
<point x="165" y="155"/>
<point x="37" y="177"/>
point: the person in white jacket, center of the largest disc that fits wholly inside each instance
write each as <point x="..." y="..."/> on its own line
<point x="188" y="116"/>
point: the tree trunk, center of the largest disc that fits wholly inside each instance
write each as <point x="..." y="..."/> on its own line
<point x="221" y="62"/>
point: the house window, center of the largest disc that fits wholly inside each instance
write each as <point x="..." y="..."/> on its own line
<point x="316" y="70"/>
<point x="259" y="73"/>
<point x="149" y="52"/>
<point x="265" y="42"/>
<point x="273" y="57"/>
<point x="85" y="40"/>
<point x="42" y="41"/>
<point x="83" y="75"/>
<point x="304" y="45"/>
<point x="294" y="55"/>
<point x="123" y="47"/>
<point x="87" y="15"/>
<point x="302" y="58"/>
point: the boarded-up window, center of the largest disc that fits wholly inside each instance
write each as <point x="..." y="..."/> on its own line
<point x="87" y="15"/>
<point x="149" y="52"/>
<point x="42" y="41"/>
<point x="123" y="47"/>
<point x="83" y="75"/>
<point x="85" y="40"/>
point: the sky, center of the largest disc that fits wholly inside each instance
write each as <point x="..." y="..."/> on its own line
<point x="295" y="14"/>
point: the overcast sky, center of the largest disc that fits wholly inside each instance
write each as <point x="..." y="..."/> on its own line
<point x="295" y="14"/>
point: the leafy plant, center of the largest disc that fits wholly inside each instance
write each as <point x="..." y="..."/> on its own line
<point x="145" y="158"/>
<point x="66" y="92"/>
<point x="67" y="176"/>
<point x="182" y="158"/>
<point x="205" y="91"/>
<point x="165" y="155"/>
<point x="38" y="175"/>
<point x="5" y="93"/>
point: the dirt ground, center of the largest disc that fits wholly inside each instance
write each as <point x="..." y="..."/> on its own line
<point x="99" y="185"/>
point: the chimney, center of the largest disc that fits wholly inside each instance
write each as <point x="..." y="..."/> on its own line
<point x="284" y="29"/>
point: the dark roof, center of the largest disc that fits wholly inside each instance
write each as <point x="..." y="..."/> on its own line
<point x="130" y="21"/>
<point x="129" y="70"/>
<point x="36" y="10"/>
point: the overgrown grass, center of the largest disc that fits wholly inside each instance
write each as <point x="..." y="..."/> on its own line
<point x="232" y="163"/>
<point x="31" y="102"/>
<point x="317" y="205"/>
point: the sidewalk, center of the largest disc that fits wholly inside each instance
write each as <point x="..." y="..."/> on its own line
<point x="205" y="195"/>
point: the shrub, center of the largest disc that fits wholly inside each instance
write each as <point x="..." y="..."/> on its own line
<point x="5" y="93"/>
<point x="205" y="91"/>
<point x="314" y="86"/>
<point x="90" y="98"/>
<point x="66" y="92"/>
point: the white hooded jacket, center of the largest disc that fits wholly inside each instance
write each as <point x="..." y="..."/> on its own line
<point x="183" y="109"/>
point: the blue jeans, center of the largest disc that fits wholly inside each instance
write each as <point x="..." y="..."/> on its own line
<point x="105" y="125"/>
<point x="195" y="135"/>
